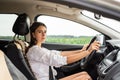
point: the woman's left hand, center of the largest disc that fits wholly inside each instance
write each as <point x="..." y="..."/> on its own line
<point x="84" y="47"/>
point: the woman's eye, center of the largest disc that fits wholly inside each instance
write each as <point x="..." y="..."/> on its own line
<point x="45" y="31"/>
<point x="39" y="31"/>
<point x="42" y="31"/>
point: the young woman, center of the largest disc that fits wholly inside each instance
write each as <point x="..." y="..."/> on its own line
<point x="41" y="58"/>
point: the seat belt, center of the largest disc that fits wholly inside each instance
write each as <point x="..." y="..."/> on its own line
<point x="51" y="74"/>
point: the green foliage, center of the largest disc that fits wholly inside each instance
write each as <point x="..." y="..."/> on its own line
<point x="69" y="39"/>
<point x="6" y="37"/>
<point x="61" y="39"/>
<point x="10" y="37"/>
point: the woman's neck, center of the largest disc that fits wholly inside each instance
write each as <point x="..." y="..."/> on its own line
<point x="39" y="44"/>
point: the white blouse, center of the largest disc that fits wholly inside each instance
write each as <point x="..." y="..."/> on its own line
<point x="41" y="58"/>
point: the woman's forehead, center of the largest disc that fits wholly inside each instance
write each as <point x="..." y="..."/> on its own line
<point x="41" y="28"/>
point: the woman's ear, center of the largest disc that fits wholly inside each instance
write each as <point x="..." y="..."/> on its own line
<point x="33" y="34"/>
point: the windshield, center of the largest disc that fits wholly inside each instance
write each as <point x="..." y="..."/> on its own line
<point x="114" y="24"/>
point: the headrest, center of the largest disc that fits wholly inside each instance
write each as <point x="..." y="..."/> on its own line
<point x="21" y="25"/>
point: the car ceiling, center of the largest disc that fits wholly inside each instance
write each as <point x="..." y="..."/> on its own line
<point x="36" y="7"/>
<point x="107" y="8"/>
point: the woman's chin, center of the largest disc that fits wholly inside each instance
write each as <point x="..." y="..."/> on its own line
<point x="43" y="41"/>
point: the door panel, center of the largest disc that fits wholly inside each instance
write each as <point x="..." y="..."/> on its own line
<point x="53" y="46"/>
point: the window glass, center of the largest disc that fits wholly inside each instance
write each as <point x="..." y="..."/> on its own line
<point x="6" y="24"/>
<point x="64" y="31"/>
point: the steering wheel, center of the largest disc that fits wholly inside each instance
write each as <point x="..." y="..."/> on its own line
<point x="84" y="61"/>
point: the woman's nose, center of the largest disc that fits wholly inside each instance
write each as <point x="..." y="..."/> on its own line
<point x="43" y="33"/>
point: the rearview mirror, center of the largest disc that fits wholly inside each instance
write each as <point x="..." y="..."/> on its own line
<point x="97" y="16"/>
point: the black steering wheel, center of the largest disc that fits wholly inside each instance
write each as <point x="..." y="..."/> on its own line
<point x="84" y="61"/>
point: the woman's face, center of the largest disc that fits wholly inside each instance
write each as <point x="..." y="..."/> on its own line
<point x="40" y="34"/>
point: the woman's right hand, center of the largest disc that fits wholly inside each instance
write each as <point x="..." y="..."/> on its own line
<point x="84" y="47"/>
<point x="94" y="46"/>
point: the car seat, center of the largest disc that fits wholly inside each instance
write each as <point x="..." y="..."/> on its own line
<point x="15" y="50"/>
<point x="4" y="72"/>
<point x="7" y="70"/>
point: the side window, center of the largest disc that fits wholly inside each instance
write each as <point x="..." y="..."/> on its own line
<point x="6" y="24"/>
<point x="63" y="31"/>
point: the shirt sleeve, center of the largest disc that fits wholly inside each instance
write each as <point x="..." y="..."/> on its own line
<point x="48" y="57"/>
<point x="56" y="59"/>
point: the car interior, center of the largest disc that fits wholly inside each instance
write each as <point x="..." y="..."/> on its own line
<point x="103" y="64"/>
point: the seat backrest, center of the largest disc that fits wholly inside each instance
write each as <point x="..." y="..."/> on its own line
<point x="16" y="49"/>
<point x="8" y="70"/>
<point x="4" y="72"/>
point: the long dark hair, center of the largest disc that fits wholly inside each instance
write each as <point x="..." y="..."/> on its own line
<point x="33" y="27"/>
